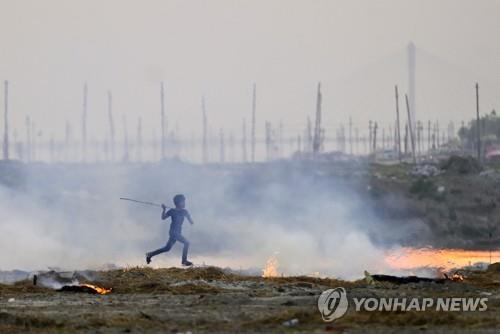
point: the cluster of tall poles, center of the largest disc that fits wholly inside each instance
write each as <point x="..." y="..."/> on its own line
<point x="409" y="140"/>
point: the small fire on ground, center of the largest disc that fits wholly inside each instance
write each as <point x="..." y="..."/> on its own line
<point x="456" y="277"/>
<point x="271" y="268"/>
<point x="98" y="289"/>
<point x="86" y="288"/>
<point x="444" y="261"/>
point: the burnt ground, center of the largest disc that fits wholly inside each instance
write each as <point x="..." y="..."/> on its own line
<point x="211" y="300"/>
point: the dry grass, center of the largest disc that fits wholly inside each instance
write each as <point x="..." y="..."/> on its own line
<point x="195" y="299"/>
<point x="25" y="286"/>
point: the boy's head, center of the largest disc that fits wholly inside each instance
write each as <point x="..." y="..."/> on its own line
<point x="180" y="201"/>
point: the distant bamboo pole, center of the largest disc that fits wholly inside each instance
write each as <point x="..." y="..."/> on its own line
<point x="370" y="136"/>
<point x="356" y="134"/>
<point x="438" y="139"/>
<point x="383" y="139"/>
<point x="406" y="138"/>
<point x="398" y="126"/>
<point x="308" y="147"/>
<point x="419" y="137"/>
<point x="410" y="126"/>
<point x="6" y="122"/>
<point x="395" y="137"/>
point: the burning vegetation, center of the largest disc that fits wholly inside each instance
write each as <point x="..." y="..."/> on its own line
<point x="271" y="268"/>
<point x="86" y="288"/>
<point x="443" y="259"/>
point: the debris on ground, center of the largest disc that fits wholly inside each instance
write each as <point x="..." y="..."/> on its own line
<point x="425" y="170"/>
<point x="372" y="279"/>
<point x="291" y="322"/>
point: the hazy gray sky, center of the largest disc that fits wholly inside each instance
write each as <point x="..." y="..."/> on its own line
<point x="218" y="48"/>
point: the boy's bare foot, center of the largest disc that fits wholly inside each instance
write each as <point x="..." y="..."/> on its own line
<point x="148" y="258"/>
<point x="187" y="263"/>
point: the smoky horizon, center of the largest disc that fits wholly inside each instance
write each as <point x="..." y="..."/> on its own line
<point x="68" y="65"/>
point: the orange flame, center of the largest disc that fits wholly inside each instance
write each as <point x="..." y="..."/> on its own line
<point x="457" y="277"/>
<point x="445" y="259"/>
<point x="271" y="268"/>
<point x="98" y="289"/>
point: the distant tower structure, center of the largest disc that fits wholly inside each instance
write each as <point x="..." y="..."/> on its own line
<point x="317" y="123"/>
<point x="411" y="81"/>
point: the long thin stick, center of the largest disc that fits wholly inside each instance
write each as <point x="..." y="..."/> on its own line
<point x="141" y="202"/>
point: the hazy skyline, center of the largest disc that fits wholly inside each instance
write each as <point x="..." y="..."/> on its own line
<point x="219" y="48"/>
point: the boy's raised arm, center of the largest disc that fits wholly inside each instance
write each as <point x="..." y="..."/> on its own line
<point x="165" y="214"/>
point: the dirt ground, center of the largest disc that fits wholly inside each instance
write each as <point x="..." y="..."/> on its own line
<point x="211" y="300"/>
<point x="452" y="209"/>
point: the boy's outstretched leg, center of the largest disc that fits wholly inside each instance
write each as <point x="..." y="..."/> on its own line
<point x="168" y="246"/>
<point x="185" y="250"/>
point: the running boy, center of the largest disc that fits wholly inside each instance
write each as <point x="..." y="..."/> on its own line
<point x="177" y="214"/>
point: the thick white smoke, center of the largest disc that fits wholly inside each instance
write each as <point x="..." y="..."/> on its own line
<point x="70" y="216"/>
